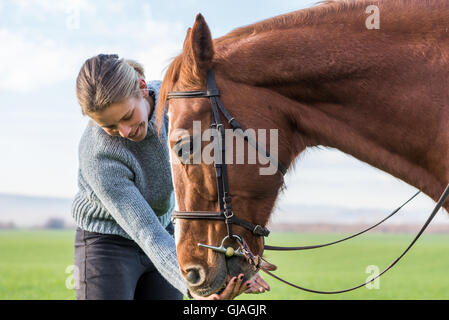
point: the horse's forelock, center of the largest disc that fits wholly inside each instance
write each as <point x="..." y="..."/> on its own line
<point x="183" y="69"/>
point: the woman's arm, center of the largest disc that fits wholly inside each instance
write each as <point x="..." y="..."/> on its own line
<point x="112" y="182"/>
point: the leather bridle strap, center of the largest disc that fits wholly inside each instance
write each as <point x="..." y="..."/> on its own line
<point x="262" y="231"/>
<point x="256" y="229"/>
<point x="221" y="170"/>
<point x="424" y="227"/>
<point x="278" y="248"/>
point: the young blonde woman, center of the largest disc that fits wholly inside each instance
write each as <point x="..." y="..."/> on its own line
<point x="124" y="245"/>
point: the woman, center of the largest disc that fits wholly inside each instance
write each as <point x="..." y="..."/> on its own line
<point x="124" y="246"/>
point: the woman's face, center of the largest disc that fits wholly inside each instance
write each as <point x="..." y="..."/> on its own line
<point x="128" y="119"/>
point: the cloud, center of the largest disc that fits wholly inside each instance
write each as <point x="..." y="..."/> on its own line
<point x="38" y="54"/>
<point x="51" y="6"/>
<point x="28" y="64"/>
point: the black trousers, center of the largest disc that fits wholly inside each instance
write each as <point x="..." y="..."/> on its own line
<point x="111" y="267"/>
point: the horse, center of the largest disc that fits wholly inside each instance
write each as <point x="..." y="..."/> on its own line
<point x="320" y="77"/>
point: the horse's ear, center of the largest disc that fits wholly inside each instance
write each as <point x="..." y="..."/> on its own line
<point x="201" y="44"/>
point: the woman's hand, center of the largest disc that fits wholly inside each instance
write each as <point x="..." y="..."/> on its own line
<point x="257" y="285"/>
<point x="232" y="290"/>
<point x="235" y="287"/>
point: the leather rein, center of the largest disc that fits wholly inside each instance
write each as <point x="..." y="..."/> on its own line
<point x="224" y="199"/>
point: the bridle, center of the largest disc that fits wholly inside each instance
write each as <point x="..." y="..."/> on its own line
<point x="224" y="199"/>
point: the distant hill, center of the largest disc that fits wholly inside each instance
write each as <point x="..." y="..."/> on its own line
<point x="31" y="211"/>
<point x="304" y="214"/>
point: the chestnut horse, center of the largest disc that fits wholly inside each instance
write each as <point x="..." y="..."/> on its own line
<point x="320" y="76"/>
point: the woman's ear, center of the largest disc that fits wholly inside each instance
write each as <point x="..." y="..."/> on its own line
<point x="143" y="86"/>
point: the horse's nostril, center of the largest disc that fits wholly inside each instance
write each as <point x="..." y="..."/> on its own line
<point x="193" y="276"/>
<point x="196" y="275"/>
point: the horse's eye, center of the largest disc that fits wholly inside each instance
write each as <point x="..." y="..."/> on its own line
<point x="184" y="148"/>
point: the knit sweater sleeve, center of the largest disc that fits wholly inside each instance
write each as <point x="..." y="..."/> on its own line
<point x="111" y="179"/>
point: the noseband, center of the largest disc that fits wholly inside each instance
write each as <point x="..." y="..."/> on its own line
<point x="224" y="199"/>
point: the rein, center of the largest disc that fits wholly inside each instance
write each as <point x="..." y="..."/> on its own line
<point x="224" y="199"/>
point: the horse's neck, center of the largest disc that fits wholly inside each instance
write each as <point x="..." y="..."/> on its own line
<point x="376" y="97"/>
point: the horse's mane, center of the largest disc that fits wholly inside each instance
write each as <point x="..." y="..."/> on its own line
<point x="328" y="11"/>
<point x="323" y="11"/>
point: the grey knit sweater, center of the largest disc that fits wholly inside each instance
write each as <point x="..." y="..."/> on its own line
<point x="125" y="188"/>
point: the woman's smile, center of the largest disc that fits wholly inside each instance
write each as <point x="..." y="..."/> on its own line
<point x="136" y="132"/>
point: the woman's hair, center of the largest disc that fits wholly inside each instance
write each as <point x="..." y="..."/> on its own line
<point x="105" y="79"/>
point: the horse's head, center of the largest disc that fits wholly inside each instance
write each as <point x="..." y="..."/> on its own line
<point x="195" y="180"/>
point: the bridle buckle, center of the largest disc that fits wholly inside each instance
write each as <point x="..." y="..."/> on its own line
<point x="258" y="230"/>
<point x="230" y="216"/>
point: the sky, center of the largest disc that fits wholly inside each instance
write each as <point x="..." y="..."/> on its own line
<point x="43" y="45"/>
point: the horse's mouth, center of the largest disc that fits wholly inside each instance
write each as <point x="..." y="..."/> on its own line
<point x="207" y="291"/>
<point x="221" y="281"/>
<point x="233" y="269"/>
<point x="220" y="289"/>
<point x="228" y="268"/>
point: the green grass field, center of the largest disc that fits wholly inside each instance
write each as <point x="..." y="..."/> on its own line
<point x="33" y="265"/>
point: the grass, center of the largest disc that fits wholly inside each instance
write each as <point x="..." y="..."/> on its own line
<point x="33" y="265"/>
<point x="421" y="273"/>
